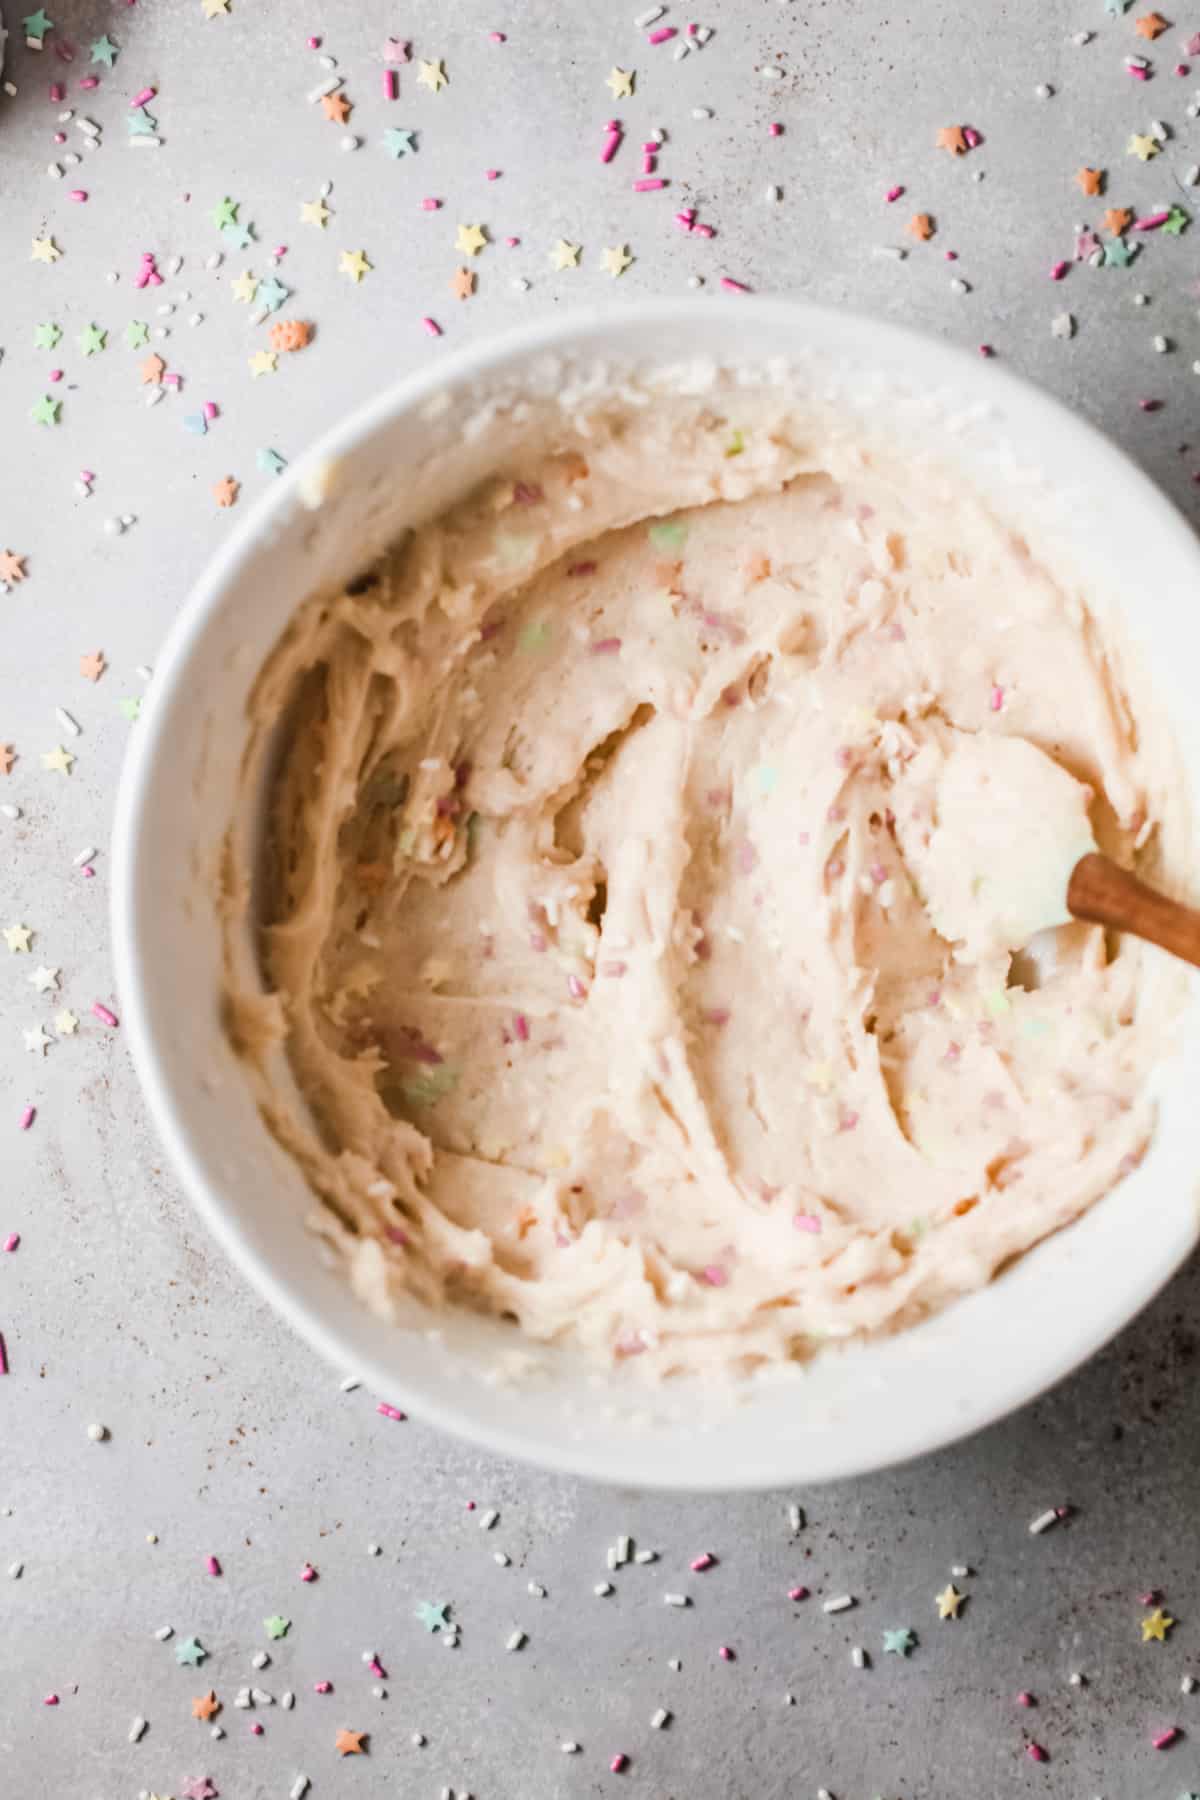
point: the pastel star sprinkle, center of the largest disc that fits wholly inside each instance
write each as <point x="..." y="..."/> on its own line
<point x="1155" y="1626"/>
<point x="214" y="8"/>
<point x="1176" y="222"/>
<point x="354" y="264"/>
<point x="616" y="260"/>
<point x="432" y="1617"/>
<point x="224" y="213"/>
<point x="130" y="709"/>
<point x="565" y="255"/>
<point x="44" y="980"/>
<point x="12" y="567"/>
<point x="137" y="333"/>
<point x="949" y="1601"/>
<point x="244" y="287"/>
<point x="44" y="250"/>
<point x="190" y="1651"/>
<point x="45" y="411"/>
<point x="140" y="123"/>
<point x="1118" y="219"/>
<point x="206" y="1706"/>
<point x="91" y="339"/>
<point x="269" y="462"/>
<point x="7" y="759"/>
<point x="398" y="142"/>
<point x="1089" y="181"/>
<point x="462" y="284"/>
<point x="619" y="83"/>
<point x="152" y="370"/>
<point x="313" y="212"/>
<point x="336" y="107"/>
<point x="953" y="139"/>
<point x="1142" y="145"/>
<point x="350" y="1743"/>
<point x="37" y="24"/>
<point x="1150" y="26"/>
<point x="263" y="362"/>
<point x="36" y="1040"/>
<point x="276" y="1626"/>
<point x="46" y="336"/>
<point x="200" y="1788"/>
<point x="470" y="239"/>
<point x="898" y="1642"/>
<point x="920" y="226"/>
<point x="18" y="938"/>
<point x="432" y="75"/>
<point x="272" y="293"/>
<point x="66" y="1023"/>
<point x="396" y="50"/>
<point x="1118" y="254"/>
<point x="239" y="236"/>
<point x="58" y="761"/>
<point x="225" y="491"/>
<point x="104" y="51"/>
<point x="93" y="665"/>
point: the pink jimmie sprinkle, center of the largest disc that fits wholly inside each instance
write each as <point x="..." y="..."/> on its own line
<point x="79" y="195"/>
<point x="390" y="1412"/>
<point x="733" y="287"/>
<point x="492" y="174"/>
<point x="377" y="1669"/>
<point x="322" y="1687"/>
<point x="430" y="205"/>
<point x="209" y="409"/>
<point x="662" y="34"/>
<point x="314" y="43"/>
<point x="806" y="1222"/>
<point x="1151" y="221"/>
<point x="60" y="137"/>
<point x="521" y="1028"/>
<point x="726" y="1654"/>
<point x="619" y="1763"/>
<point x="973" y="137"/>
<point x="1150" y="405"/>
<point x="893" y="194"/>
<point x="56" y="92"/>
<point x="1035" y="1753"/>
<point x="996" y="702"/>
<point x="798" y="1593"/>
<point x="28" y="1115"/>
<point x="56" y="375"/>
<point x="3" y="1356"/>
<point x="12" y="1241"/>
<point x="1166" y="1738"/>
<point x="50" y="1700"/>
<point x="390" y="88"/>
<point x="1025" y="1699"/>
<point x="496" y="37"/>
<point x="606" y="646"/>
<point x="649" y="184"/>
<point x="102" y="1013"/>
<point x="612" y="141"/>
<point x="256" y="1729"/>
<point x="986" y="350"/>
<point x="1138" y="74"/>
<point x="89" y="82"/>
<point x="308" y="1573"/>
<point x="431" y="327"/>
<point x="511" y="243"/>
<point x="173" y="380"/>
<point x="715" y="1275"/>
<point x="704" y="1561"/>
<point x="212" y="1565"/>
<point x="141" y="99"/>
<point x="775" y="128"/>
<point x="1059" y="270"/>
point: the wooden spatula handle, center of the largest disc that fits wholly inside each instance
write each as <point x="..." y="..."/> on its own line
<point x="1106" y="894"/>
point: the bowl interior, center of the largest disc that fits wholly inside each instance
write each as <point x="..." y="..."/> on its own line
<point x="408" y="454"/>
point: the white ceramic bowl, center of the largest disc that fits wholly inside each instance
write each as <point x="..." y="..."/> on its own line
<point x="852" y="1410"/>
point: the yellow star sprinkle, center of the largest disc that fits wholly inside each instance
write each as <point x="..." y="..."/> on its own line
<point x="66" y="1023"/>
<point x="433" y="76"/>
<point x="313" y="212"/>
<point x="244" y="287"/>
<point x="565" y="255"/>
<point x="45" y="250"/>
<point x="58" y="760"/>
<point x="949" y="1601"/>
<point x="263" y="362"/>
<point x="213" y="7"/>
<point x="17" y="938"/>
<point x="1156" y="1625"/>
<point x="470" y="239"/>
<point x="354" y="264"/>
<point x="620" y="83"/>
<point x="1142" y="147"/>
<point x="616" y="260"/>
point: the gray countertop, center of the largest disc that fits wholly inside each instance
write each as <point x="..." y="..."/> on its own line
<point x="225" y="1436"/>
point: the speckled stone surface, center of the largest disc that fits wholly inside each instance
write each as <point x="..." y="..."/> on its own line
<point x="226" y="1435"/>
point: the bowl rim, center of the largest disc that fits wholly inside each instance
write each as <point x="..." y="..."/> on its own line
<point x="563" y="334"/>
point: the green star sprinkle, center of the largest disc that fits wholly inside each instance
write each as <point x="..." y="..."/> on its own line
<point x="271" y="294"/>
<point x="1118" y="254"/>
<point x="399" y="143"/>
<point x="276" y="1626"/>
<point x="190" y="1651"/>
<point x="91" y="339"/>
<point x="130" y="709"/>
<point x="46" y="411"/>
<point x="46" y="336"/>
<point x="225" y="213"/>
<point x="136" y="334"/>
<point x="736" y="445"/>
<point x="238" y="236"/>
<point x="104" y="51"/>
<point x="535" y="635"/>
<point x="1176" y="222"/>
<point x="432" y="1617"/>
<point x="269" y="462"/>
<point x="668" y="534"/>
<point x="430" y="1086"/>
<point x="37" y="24"/>
<point x="140" y="123"/>
<point x="898" y="1642"/>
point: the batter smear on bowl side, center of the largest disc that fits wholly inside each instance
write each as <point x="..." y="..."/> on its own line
<point x="609" y="925"/>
